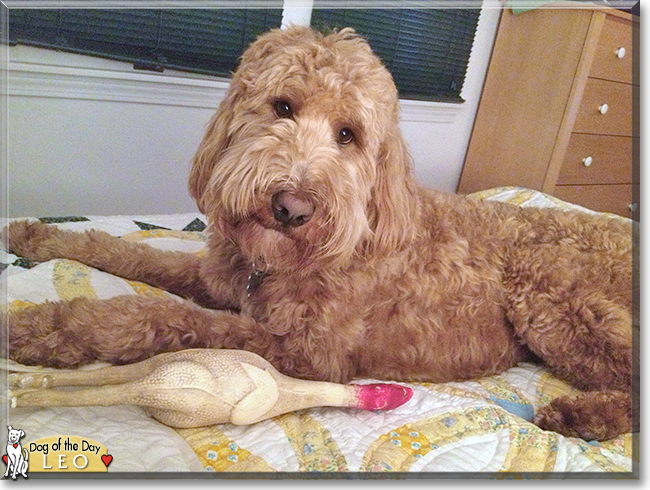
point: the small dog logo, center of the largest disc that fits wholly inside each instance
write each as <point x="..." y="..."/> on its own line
<point x="16" y="457"/>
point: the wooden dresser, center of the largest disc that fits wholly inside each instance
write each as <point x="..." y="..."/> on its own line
<point x="557" y="109"/>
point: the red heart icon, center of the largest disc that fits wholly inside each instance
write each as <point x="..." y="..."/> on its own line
<point x="4" y="458"/>
<point x="107" y="458"/>
<point x="15" y="446"/>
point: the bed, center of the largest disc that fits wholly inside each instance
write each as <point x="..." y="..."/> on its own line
<point x="480" y="426"/>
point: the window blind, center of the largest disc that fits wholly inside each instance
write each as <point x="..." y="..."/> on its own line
<point x="203" y="40"/>
<point x="426" y="50"/>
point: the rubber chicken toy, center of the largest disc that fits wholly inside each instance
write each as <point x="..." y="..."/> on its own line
<point x="198" y="387"/>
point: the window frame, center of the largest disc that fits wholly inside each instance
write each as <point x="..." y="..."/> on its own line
<point x="103" y="79"/>
<point x="299" y="12"/>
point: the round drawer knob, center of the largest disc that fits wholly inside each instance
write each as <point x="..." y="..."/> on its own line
<point x="587" y="161"/>
<point x="603" y="109"/>
<point x="620" y="53"/>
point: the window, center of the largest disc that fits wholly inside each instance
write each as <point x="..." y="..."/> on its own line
<point x="427" y="50"/>
<point x="203" y="41"/>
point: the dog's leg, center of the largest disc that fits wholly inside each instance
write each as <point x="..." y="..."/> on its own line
<point x="14" y="465"/>
<point x="592" y="415"/>
<point x="572" y="309"/>
<point x="25" y="463"/>
<point x="128" y="329"/>
<point x="176" y="272"/>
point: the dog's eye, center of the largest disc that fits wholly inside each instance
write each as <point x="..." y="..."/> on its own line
<point x="345" y="136"/>
<point x="282" y="108"/>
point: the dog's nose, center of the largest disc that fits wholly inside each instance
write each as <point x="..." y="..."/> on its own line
<point x="290" y="209"/>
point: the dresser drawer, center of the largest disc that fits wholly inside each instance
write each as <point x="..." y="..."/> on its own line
<point x="596" y="159"/>
<point x="613" y="198"/>
<point x="613" y="60"/>
<point x="617" y="117"/>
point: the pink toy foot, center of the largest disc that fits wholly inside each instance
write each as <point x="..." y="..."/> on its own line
<point x="382" y="396"/>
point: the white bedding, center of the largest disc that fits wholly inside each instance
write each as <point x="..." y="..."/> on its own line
<point x="481" y="425"/>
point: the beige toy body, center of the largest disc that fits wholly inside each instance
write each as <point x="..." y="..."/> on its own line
<point x="198" y="387"/>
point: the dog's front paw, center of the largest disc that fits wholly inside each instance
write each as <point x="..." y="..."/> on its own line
<point x="32" y="240"/>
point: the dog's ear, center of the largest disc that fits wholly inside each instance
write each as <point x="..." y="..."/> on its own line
<point x="10" y="427"/>
<point x="22" y="433"/>
<point x="393" y="204"/>
<point x="214" y="143"/>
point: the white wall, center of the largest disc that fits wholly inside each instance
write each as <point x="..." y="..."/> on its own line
<point x="89" y="136"/>
<point x="439" y="149"/>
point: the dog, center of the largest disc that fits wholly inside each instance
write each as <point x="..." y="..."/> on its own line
<point x="17" y="457"/>
<point x="325" y="257"/>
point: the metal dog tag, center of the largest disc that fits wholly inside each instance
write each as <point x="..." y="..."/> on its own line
<point x="254" y="282"/>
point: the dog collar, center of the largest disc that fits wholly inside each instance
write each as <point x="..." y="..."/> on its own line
<point x="256" y="276"/>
